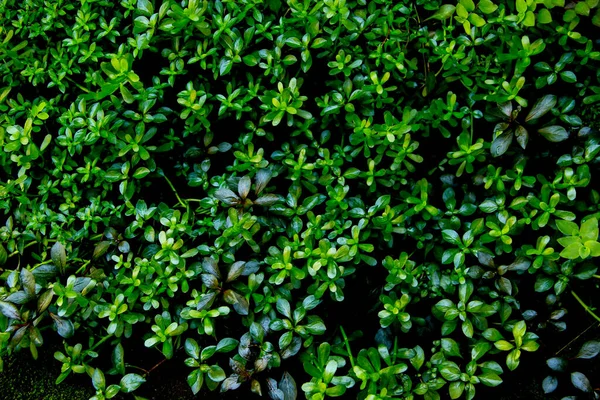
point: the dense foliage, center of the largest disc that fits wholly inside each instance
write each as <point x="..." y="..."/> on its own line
<point x="370" y="198"/>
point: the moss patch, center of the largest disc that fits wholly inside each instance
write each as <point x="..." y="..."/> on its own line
<point x="27" y="379"/>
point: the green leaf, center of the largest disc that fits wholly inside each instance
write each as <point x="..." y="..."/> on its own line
<point x="126" y="94"/>
<point x="226" y="345"/>
<point x="449" y="371"/>
<point x="503" y="345"/>
<point x="567" y="227"/>
<point x="64" y="327"/>
<point x="487" y="6"/>
<point x="450" y="347"/>
<point x="512" y="360"/>
<point x="112" y="391"/>
<point x="131" y="382"/>
<point x="141" y="172"/>
<point x="541" y="107"/>
<point x="98" y="379"/>
<point x="443" y="13"/>
<point x="544" y="16"/>
<point x="501" y="143"/>
<point x="451" y="236"/>
<point x="118" y="359"/>
<point x="490" y="379"/>
<point x="101" y="249"/>
<point x="59" y="256"/>
<point x="145" y="6"/>
<point x="9" y="310"/>
<point x="519" y="329"/>
<point x="589" y="350"/>
<point x="44" y="301"/>
<point x="582" y="8"/>
<point x="195" y="379"/>
<point x="456" y="389"/>
<point x="216" y="373"/>
<point x="283" y="306"/>
<point x="554" y="133"/>
<point x="28" y="281"/>
<point x="589" y="230"/>
<point x="192" y="348"/>
<point x="571" y="252"/>
<point x="3" y="255"/>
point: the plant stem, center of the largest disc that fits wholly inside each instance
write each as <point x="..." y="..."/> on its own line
<point x="585" y="306"/>
<point x="141" y="369"/>
<point x="596" y="276"/>
<point x="14" y="253"/>
<point x="174" y="191"/>
<point x="82" y="268"/>
<point x="156" y="366"/>
<point x="104" y="339"/>
<point x="77" y="84"/>
<point x="576" y="337"/>
<point x="347" y="346"/>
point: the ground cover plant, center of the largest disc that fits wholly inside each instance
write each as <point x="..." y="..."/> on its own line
<point x="367" y="199"/>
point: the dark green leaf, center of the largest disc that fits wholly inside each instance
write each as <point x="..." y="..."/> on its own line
<point x="541" y="107"/>
<point x="554" y="133"/>
<point x="9" y="310"/>
<point x="589" y="350"/>
<point x="64" y="327"/>
<point x="501" y="143"/>
<point x="59" y="256"/>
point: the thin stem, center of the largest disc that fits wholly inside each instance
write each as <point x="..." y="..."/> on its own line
<point x="576" y="337"/>
<point x="77" y="84"/>
<point x="82" y="268"/>
<point x="104" y="339"/>
<point x="156" y="366"/>
<point x="175" y="191"/>
<point x="596" y="276"/>
<point x="347" y="346"/>
<point x="585" y="306"/>
<point x="14" y="253"/>
<point x="141" y="369"/>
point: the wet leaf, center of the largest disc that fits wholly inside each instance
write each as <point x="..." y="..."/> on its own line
<point x="131" y="382"/>
<point x="64" y="327"/>
<point x="287" y="385"/>
<point x="9" y="310"/>
<point x="589" y="350"/>
<point x="44" y="300"/>
<point x="262" y="178"/>
<point x="28" y="281"/>
<point x="3" y="255"/>
<point x="118" y="359"/>
<point x="554" y="133"/>
<point x="549" y="384"/>
<point x="501" y="143"/>
<point x="541" y="107"/>
<point x="244" y="186"/>
<point x="581" y="382"/>
<point x="100" y="249"/>
<point x="59" y="256"/>
<point x="267" y="200"/>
